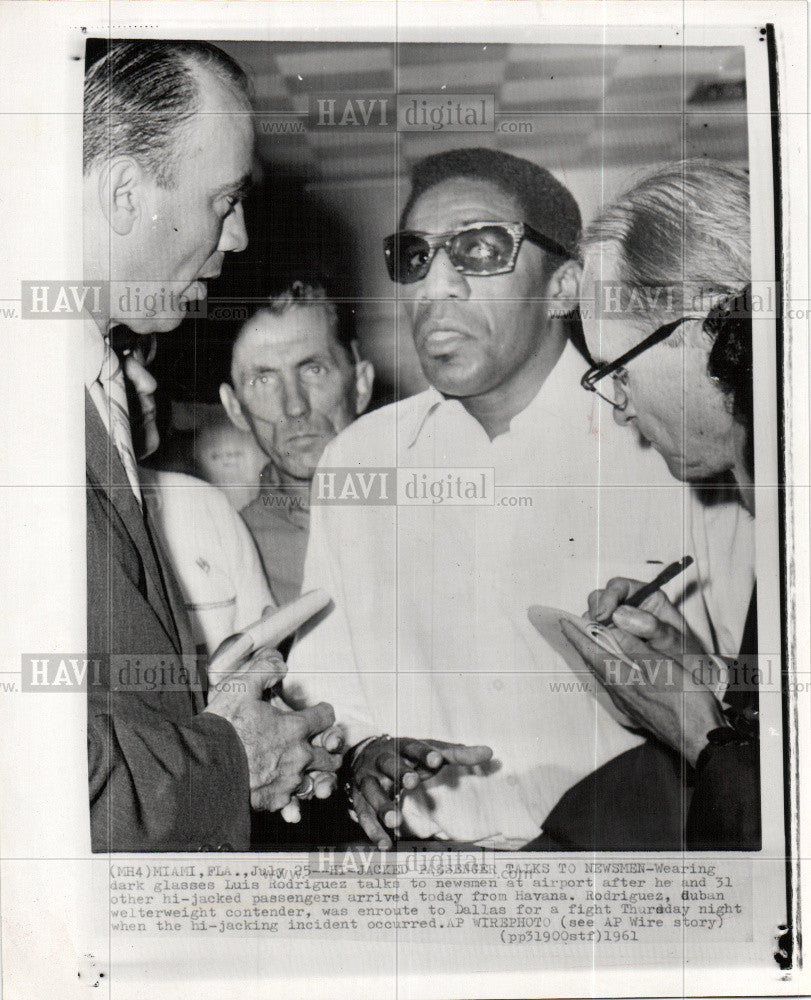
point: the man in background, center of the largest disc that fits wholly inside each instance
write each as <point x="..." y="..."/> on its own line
<point x="296" y="381"/>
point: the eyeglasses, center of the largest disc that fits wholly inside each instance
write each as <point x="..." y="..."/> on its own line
<point x="616" y="369"/>
<point x="482" y="249"/>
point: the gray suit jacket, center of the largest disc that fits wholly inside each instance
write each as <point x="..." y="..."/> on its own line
<point x="163" y="776"/>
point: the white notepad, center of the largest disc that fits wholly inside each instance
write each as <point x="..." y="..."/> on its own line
<point x="547" y="622"/>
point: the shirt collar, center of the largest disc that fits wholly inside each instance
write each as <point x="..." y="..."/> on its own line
<point x="427" y="403"/>
<point x="93" y="352"/>
<point x="553" y="398"/>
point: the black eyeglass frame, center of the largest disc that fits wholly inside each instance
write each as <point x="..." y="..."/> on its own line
<point x="519" y="231"/>
<point x="598" y="372"/>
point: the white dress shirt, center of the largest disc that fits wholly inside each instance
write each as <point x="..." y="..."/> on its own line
<point x="429" y="636"/>
<point x="93" y="360"/>
<point x="722" y="532"/>
<point x="104" y="381"/>
<point x="211" y="552"/>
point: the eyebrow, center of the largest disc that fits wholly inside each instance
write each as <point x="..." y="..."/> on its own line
<point x="254" y="370"/>
<point x="240" y="187"/>
<point x="316" y="359"/>
<point x="467" y="222"/>
<point x="251" y="371"/>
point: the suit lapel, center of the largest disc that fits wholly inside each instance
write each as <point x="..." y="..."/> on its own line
<point x="106" y="472"/>
<point x="179" y="614"/>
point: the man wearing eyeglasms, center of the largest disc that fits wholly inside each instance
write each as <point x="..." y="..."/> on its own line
<point x="682" y="377"/>
<point x="429" y="635"/>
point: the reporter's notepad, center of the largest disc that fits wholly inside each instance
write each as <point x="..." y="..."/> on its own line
<point x="547" y="623"/>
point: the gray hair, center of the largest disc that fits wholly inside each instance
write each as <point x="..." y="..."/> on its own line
<point x="139" y="95"/>
<point x="684" y="227"/>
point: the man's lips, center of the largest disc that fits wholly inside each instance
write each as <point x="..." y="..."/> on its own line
<point x="440" y="338"/>
<point x="198" y="290"/>
<point x="305" y="438"/>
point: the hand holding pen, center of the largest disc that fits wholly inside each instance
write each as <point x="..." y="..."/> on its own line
<point x="624" y="592"/>
<point x="674" y="705"/>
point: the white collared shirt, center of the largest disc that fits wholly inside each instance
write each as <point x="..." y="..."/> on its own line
<point x="722" y="534"/>
<point x="429" y="636"/>
<point x="93" y="360"/>
<point x="211" y="552"/>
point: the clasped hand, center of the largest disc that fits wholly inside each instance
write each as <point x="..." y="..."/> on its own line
<point x="666" y="698"/>
<point x="288" y="751"/>
<point x="385" y="767"/>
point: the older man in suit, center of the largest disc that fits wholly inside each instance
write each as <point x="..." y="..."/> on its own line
<point x="175" y="763"/>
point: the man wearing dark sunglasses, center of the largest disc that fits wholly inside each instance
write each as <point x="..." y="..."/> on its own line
<point x="484" y="278"/>
<point x="430" y="636"/>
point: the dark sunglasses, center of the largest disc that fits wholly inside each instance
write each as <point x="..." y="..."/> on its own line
<point x="481" y="248"/>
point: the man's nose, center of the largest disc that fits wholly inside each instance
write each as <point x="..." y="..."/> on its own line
<point x="621" y="416"/>
<point x="443" y="281"/>
<point x="234" y="236"/>
<point x="624" y="410"/>
<point x="295" y="401"/>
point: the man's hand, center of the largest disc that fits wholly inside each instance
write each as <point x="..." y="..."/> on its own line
<point x="385" y="767"/>
<point x="278" y="743"/>
<point x="316" y="784"/>
<point x="670" y="701"/>
<point x="664" y="627"/>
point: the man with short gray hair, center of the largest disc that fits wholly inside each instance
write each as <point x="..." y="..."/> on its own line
<point x="173" y="766"/>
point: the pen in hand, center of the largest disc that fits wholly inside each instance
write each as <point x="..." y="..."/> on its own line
<point x="667" y="574"/>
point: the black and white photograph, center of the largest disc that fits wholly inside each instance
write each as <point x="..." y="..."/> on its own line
<point x="432" y="617"/>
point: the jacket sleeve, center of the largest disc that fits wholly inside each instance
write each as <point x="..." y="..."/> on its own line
<point x="635" y="802"/>
<point x="163" y="776"/>
<point x="160" y="785"/>
<point x="725" y="809"/>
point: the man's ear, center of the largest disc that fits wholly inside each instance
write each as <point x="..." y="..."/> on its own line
<point x="232" y="408"/>
<point x="364" y="380"/>
<point x="121" y="190"/>
<point x="563" y="289"/>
